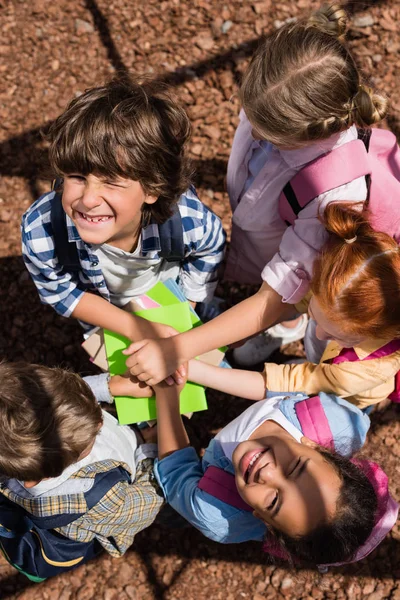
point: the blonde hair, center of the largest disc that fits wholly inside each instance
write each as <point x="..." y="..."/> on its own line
<point x="303" y="85"/>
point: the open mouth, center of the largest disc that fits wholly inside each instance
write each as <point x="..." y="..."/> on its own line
<point x="254" y="458"/>
<point x="94" y="219"/>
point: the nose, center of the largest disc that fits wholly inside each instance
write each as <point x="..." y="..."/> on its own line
<point x="321" y="334"/>
<point x="91" y="197"/>
<point x="270" y="475"/>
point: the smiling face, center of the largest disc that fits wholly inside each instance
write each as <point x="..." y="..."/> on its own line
<point x="328" y="330"/>
<point x="105" y="211"/>
<point x="289" y="484"/>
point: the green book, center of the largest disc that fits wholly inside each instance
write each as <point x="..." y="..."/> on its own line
<point x="179" y="316"/>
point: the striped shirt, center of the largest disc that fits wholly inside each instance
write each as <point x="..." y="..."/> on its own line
<point x="203" y="237"/>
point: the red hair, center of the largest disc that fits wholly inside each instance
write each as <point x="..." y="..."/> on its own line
<point x="356" y="278"/>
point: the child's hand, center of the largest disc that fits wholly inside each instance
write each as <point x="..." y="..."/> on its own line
<point x="150" y="330"/>
<point x="153" y="360"/>
<point x="126" y="385"/>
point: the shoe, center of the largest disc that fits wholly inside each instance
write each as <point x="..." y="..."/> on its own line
<point x="209" y="310"/>
<point x="259" y="348"/>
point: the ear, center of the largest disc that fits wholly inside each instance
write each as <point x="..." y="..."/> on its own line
<point x="258" y="515"/>
<point x="31" y="484"/>
<point x="307" y="442"/>
<point x="150" y="199"/>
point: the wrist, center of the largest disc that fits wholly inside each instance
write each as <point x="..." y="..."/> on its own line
<point x="133" y="329"/>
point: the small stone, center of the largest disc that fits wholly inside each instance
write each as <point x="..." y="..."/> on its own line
<point x="378" y="595"/>
<point x="368" y="588"/>
<point x="82" y="27"/>
<point x="388" y="25"/>
<point x="392" y="47"/>
<point x="55" y="65"/>
<point x="212" y="131"/>
<point x="204" y="41"/>
<point x="226" y="25"/>
<point x="65" y="594"/>
<point x="377" y="58"/>
<point x="125" y="574"/>
<point x="286" y="584"/>
<point x="130" y="591"/>
<point x="363" y="21"/>
<point x="197" y="149"/>
<point x="5" y="215"/>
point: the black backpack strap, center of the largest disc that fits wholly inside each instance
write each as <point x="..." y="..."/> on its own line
<point x="291" y="198"/>
<point x="102" y="484"/>
<point x="66" y="251"/>
<point x="171" y="238"/>
<point x="365" y="136"/>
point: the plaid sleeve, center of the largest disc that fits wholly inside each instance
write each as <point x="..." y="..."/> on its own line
<point x="125" y="510"/>
<point x="204" y="240"/>
<point x="58" y="289"/>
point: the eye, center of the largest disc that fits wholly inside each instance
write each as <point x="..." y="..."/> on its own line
<point x="273" y="503"/>
<point x="295" y="467"/>
<point x="75" y="177"/>
<point x="114" y="184"/>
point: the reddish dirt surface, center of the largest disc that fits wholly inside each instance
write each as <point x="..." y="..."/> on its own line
<point x="51" y="51"/>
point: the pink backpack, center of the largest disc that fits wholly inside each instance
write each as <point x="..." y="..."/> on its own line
<point x="315" y="425"/>
<point x="375" y="155"/>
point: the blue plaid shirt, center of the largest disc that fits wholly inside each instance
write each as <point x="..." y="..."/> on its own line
<point x="203" y="237"/>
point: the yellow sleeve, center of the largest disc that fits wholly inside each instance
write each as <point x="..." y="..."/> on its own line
<point x="347" y="379"/>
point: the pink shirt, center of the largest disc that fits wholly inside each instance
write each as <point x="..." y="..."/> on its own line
<point x="263" y="247"/>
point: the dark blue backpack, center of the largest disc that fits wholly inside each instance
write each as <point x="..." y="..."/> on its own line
<point x="30" y="544"/>
<point x="171" y="236"/>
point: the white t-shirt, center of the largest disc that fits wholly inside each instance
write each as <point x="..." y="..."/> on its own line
<point x="128" y="274"/>
<point x="241" y="428"/>
<point x="114" y="441"/>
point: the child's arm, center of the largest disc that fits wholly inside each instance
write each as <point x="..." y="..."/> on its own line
<point x="245" y="384"/>
<point x="179" y="471"/>
<point x="172" y="434"/>
<point x="204" y="242"/>
<point x="152" y="361"/>
<point x="365" y="382"/>
<point x="96" y="310"/>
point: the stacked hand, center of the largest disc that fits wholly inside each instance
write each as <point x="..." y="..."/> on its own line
<point x="151" y="361"/>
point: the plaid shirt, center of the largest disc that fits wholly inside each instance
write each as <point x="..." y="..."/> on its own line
<point x="124" y="510"/>
<point x="203" y="237"/>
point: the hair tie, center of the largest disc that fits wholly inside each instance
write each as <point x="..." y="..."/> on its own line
<point x="351" y="240"/>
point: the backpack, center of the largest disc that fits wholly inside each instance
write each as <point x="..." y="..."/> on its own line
<point x="315" y="425"/>
<point x="31" y="544"/>
<point x="170" y="232"/>
<point x="375" y="155"/>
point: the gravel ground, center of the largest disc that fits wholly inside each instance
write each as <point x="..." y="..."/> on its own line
<point x="51" y="51"/>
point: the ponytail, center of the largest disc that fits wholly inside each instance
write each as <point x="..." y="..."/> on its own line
<point x="331" y="19"/>
<point x="356" y="278"/>
<point x="367" y="107"/>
